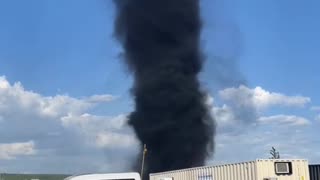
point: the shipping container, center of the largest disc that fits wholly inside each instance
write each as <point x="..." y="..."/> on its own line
<point x="314" y="172"/>
<point x="261" y="169"/>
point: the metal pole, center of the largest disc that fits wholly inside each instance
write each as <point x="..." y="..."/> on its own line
<point x="143" y="158"/>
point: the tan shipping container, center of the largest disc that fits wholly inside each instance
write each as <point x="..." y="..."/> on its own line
<point x="260" y="169"/>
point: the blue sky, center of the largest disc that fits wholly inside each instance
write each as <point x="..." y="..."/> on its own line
<point x="63" y="54"/>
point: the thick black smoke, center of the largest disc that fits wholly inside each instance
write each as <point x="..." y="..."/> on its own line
<point x="161" y="43"/>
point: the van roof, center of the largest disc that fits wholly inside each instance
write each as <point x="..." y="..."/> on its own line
<point x="106" y="176"/>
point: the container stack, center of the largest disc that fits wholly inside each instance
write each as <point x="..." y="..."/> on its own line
<point x="261" y="169"/>
<point x="314" y="171"/>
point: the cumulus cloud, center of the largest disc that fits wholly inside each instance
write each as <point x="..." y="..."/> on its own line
<point x="101" y="131"/>
<point x="260" y="98"/>
<point x="232" y="117"/>
<point x="243" y="108"/>
<point x="315" y="108"/>
<point x="66" y="131"/>
<point x="19" y="106"/>
<point x="284" y="120"/>
<point x="209" y="100"/>
<point x="296" y="141"/>
<point x="243" y="125"/>
<point x="28" y="102"/>
<point x="60" y="126"/>
<point x="224" y="115"/>
<point x="112" y="139"/>
<point x="100" y="98"/>
<point x="12" y="150"/>
<point x="4" y="83"/>
<point x="14" y="98"/>
<point x="88" y="121"/>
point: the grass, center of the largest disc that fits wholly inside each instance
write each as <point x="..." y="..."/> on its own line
<point x="32" y="176"/>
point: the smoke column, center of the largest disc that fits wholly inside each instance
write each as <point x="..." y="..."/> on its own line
<point x="161" y="47"/>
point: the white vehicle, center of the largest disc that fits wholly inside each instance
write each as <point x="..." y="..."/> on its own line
<point x="109" y="176"/>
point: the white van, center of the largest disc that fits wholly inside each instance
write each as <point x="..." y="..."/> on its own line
<point x="109" y="176"/>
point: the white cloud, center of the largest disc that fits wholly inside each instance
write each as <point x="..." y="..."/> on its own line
<point x="224" y="115"/>
<point x="296" y="141"/>
<point x="243" y="126"/>
<point x="4" y="83"/>
<point x="63" y="129"/>
<point x="315" y="108"/>
<point x="48" y="106"/>
<point x="17" y="104"/>
<point x="87" y="121"/>
<point x="253" y="139"/>
<point x="26" y="114"/>
<point x="112" y="140"/>
<point x="100" y="98"/>
<point x="285" y="120"/>
<point x="243" y="108"/>
<point x="231" y="117"/>
<point x="101" y="131"/>
<point x="209" y="100"/>
<point x="13" y="150"/>
<point x="260" y="98"/>
<point x="317" y="118"/>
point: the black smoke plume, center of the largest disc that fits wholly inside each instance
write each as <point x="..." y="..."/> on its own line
<point x="161" y="47"/>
